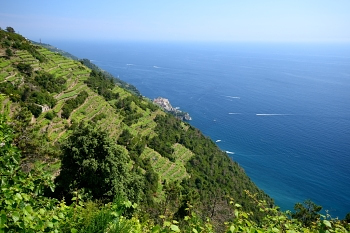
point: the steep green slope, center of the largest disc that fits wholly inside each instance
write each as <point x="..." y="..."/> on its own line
<point x="90" y="65"/>
<point x="25" y="208"/>
<point x="47" y="96"/>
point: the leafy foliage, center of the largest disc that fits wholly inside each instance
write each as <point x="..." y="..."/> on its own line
<point x="49" y="115"/>
<point x="10" y="29"/>
<point x="277" y="221"/>
<point x="9" y="52"/>
<point x="347" y="218"/>
<point x="10" y="90"/>
<point x="34" y="109"/>
<point x="32" y="96"/>
<point x="25" y="68"/>
<point x="93" y="163"/>
<point x="48" y="82"/>
<point x="97" y="81"/>
<point x="98" y="117"/>
<point x="135" y="145"/>
<point x="128" y="107"/>
<point x="307" y="213"/>
<point x="22" y="206"/>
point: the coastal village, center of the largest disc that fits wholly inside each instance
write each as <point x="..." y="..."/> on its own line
<point x="165" y="104"/>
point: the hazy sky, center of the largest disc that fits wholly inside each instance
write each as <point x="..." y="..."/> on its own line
<point x="179" y="20"/>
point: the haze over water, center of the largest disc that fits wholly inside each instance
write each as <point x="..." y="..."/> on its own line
<point x="280" y="110"/>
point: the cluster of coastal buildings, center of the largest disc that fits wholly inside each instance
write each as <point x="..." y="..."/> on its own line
<point x="165" y="104"/>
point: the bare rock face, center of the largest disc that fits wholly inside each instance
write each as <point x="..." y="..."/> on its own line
<point x="187" y="117"/>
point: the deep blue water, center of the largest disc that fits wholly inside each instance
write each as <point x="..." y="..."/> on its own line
<point x="281" y="110"/>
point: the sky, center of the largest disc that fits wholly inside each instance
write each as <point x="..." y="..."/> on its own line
<point x="179" y="20"/>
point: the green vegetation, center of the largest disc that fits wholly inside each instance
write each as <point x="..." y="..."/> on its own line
<point x="307" y="213"/>
<point x="25" y="68"/>
<point x="89" y="64"/>
<point x="84" y="154"/>
<point x="73" y="103"/>
<point x="103" y="86"/>
<point x="94" y="164"/>
<point x="21" y="198"/>
<point x="108" y="76"/>
<point x="49" y="82"/>
<point x="55" y="50"/>
<point x="25" y="208"/>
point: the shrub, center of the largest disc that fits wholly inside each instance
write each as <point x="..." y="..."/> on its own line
<point x="9" y="52"/>
<point x="94" y="164"/>
<point x="25" y="68"/>
<point x="50" y="115"/>
<point x="34" y="109"/>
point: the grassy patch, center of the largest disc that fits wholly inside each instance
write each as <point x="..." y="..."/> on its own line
<point x="4" y="63"/>
<point x="166" y="169"/>
<point x="3" y="75"/>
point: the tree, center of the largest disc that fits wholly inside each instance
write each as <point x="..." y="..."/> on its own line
<point x="9" y="52"/>
<point x="347" y="218"/>
<point x="34" y="109"/>
<point x="10" y="29"/>
<point x="307" y="212"/>
<point x="95" y="165"/>
<point x="25" y="68"/>
<point x="48" y="82"/>
<point x="172" y="191"/>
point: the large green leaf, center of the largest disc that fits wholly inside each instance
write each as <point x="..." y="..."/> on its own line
<point x="175" y="228"/>
<point x="3" y="220"/>
<point x="15" y="216"/>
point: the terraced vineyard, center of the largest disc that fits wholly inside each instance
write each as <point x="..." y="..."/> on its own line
<point x="170" y="171"/>
<point x="146" y="124"/>
<point x="7" y="72"/>
<point x="58" y="128"/>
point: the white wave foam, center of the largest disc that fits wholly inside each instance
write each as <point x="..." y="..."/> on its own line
<point x="234" y="113"/>
<point x="229" y="152"/>
<point x="218" y="140"/>
<point x="233" y="97"/>
<point x="272" y="114"/>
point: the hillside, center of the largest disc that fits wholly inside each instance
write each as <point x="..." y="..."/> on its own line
<point x="90" y="65"/>
<point x="63" y="111"/>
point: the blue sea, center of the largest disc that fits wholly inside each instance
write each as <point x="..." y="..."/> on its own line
<point x="282" y="111"/>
